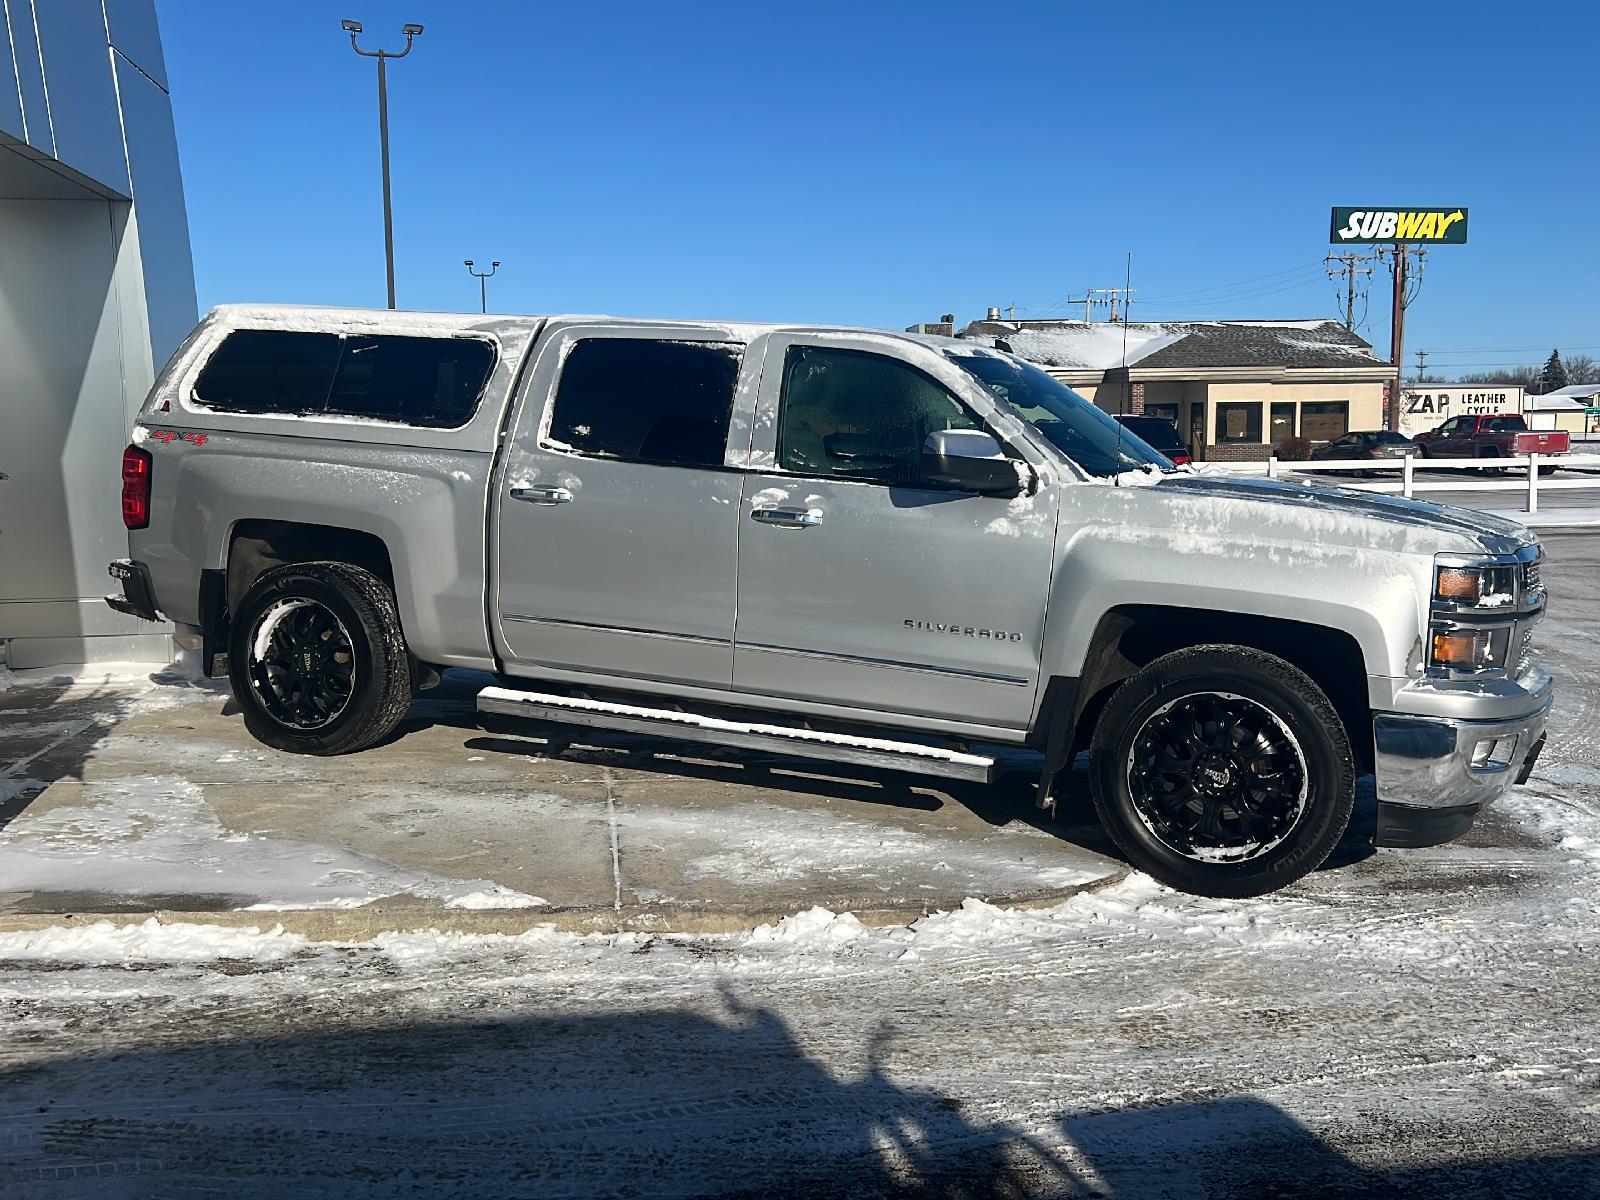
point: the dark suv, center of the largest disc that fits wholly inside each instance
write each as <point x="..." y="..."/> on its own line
<point x="1161" y="434"/>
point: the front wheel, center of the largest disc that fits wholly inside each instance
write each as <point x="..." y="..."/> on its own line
<point x="1222" y="771"/>
<point x="317" y="659"/>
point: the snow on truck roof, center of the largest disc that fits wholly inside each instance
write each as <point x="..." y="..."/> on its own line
<point x="313" y="318"/>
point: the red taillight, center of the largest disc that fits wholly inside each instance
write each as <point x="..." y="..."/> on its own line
<point x="136" y="467"/>
<point x="1180" y="459"/>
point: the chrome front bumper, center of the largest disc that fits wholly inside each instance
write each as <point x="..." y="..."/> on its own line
<point x="1435" y="774"/>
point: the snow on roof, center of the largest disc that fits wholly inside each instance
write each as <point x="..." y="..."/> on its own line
<point x="1099" y="346"/>
<point x="1557" y="402"/>
<point x="1094" y="347"/>
<point x="1577" y="391"/>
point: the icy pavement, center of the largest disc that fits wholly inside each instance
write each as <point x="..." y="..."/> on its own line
<point x="1405" y="1023"/>
<point x="131" y="793"/>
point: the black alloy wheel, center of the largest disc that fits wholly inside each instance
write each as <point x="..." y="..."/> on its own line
<point x="1222" y="770"/>
<point x="302" y="663"/>
<point x="317" y="658"/>
<point x="1217" y="778"/>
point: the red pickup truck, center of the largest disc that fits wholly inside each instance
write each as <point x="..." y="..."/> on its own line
<point x="1504" y="435"/>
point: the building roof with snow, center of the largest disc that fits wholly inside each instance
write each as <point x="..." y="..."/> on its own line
<point x="1582" y="393"/>
<point x="1201" y="345"/>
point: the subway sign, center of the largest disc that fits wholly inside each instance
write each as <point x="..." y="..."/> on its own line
<point x="1366" y="226"/>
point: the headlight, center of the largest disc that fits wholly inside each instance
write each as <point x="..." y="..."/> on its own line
<point x="1492" y="585"/>
<point x="1475" y="609"/>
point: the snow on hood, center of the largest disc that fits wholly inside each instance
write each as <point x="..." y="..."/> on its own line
<point x="1338" y="514"/>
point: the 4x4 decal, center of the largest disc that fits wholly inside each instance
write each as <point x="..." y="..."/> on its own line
<point x="175" y="435"/>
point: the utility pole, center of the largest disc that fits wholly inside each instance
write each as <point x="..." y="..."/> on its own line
<point x="1112" y="295"/>
<point x="482" y="277"/>
<point x="1397" y="333"/>
<point x="353" y="28"/>
<point x="1398" y="257"/>
<point x="1351" y="263"/>
<point x="1422" y="364"/>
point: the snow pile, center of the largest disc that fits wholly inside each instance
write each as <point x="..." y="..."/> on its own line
<point x="815" y="927"/>
<point x="495" y="896"/>
<point x="149" y="941"/>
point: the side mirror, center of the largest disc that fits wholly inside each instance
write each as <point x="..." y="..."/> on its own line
<point x="971" y="460"/>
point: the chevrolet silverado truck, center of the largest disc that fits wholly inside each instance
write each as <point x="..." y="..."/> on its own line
<point x="877" y="548"/>
<point x="1505" y="435"/>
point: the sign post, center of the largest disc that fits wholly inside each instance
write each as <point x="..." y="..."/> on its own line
<point x="1403" y="228"/>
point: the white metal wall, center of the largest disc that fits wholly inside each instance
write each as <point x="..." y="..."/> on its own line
<point x="96" y="290"/>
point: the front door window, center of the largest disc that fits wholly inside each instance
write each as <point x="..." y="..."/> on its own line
<point x="854" y="415"/>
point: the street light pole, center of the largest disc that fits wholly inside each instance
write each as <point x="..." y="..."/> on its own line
<point x="353" y="28"/>
<point x="482" y="278"/>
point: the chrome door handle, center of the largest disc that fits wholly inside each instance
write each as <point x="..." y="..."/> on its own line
<point x="787" y="518"/>
<point x="542" y="495"/>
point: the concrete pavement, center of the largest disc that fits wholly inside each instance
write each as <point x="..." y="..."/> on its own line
<point x="146" y="795"/>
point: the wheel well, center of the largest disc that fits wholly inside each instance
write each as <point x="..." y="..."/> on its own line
<point x="1130" y="636"/>
<point x="258" y="546"/>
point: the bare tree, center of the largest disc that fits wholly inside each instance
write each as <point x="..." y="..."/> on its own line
<point x="1523" y="377"/>
<point x="1582" y="368"/>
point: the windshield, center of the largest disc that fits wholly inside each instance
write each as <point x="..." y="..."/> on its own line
<point x="1089" y="437"/>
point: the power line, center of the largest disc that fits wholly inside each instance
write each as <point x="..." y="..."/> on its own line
<point x="1199" y="298"/>
<point x="1223" y="287"/>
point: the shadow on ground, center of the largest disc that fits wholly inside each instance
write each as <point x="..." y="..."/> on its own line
<point x="49" y="730"/>
<point x="644" y="1103"/>
<point x="1010" y="798"/>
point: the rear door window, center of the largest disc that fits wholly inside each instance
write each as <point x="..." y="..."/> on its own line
<point x="646" y="400"/>
<point x="430" y="382"/>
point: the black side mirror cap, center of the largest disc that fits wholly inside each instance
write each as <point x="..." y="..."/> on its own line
<point x="972" y="460"/>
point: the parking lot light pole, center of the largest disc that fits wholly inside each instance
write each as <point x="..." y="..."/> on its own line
<point x="483" y="286"/>
<point x="353" y="28"/>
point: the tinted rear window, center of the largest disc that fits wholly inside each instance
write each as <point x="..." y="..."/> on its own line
<point x="261" y="370"/>
<point x="431" y="382"/>
<point x="648" y="401"/>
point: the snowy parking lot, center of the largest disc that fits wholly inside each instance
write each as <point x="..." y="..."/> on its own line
<point x="1419" y="1023"/>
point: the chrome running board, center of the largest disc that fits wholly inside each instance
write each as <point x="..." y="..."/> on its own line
<point x="919" y="757"/>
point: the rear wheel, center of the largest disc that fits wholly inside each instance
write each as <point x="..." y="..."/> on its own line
<point x="1223" y="771"/>
<point x="317" y="659"/>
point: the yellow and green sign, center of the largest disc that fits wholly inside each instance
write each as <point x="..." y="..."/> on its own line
<point x="1364" y="226"/>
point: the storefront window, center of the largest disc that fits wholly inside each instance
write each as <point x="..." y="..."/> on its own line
<point x="1282" y="423"/>
<point x="1325" y="421"/>
<point x="1238" y="423"/>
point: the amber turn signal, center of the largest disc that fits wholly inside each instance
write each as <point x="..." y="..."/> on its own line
<point x="1459" y="583"/>
<point x="1457" y="649"/>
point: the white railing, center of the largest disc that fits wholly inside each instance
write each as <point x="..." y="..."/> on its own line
<point x="1491" y="473"/>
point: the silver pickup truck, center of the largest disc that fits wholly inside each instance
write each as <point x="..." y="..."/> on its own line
<point x="887" y="549"/>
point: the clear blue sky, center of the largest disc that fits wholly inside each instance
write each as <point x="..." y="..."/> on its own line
<point x="882" y="163"/>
